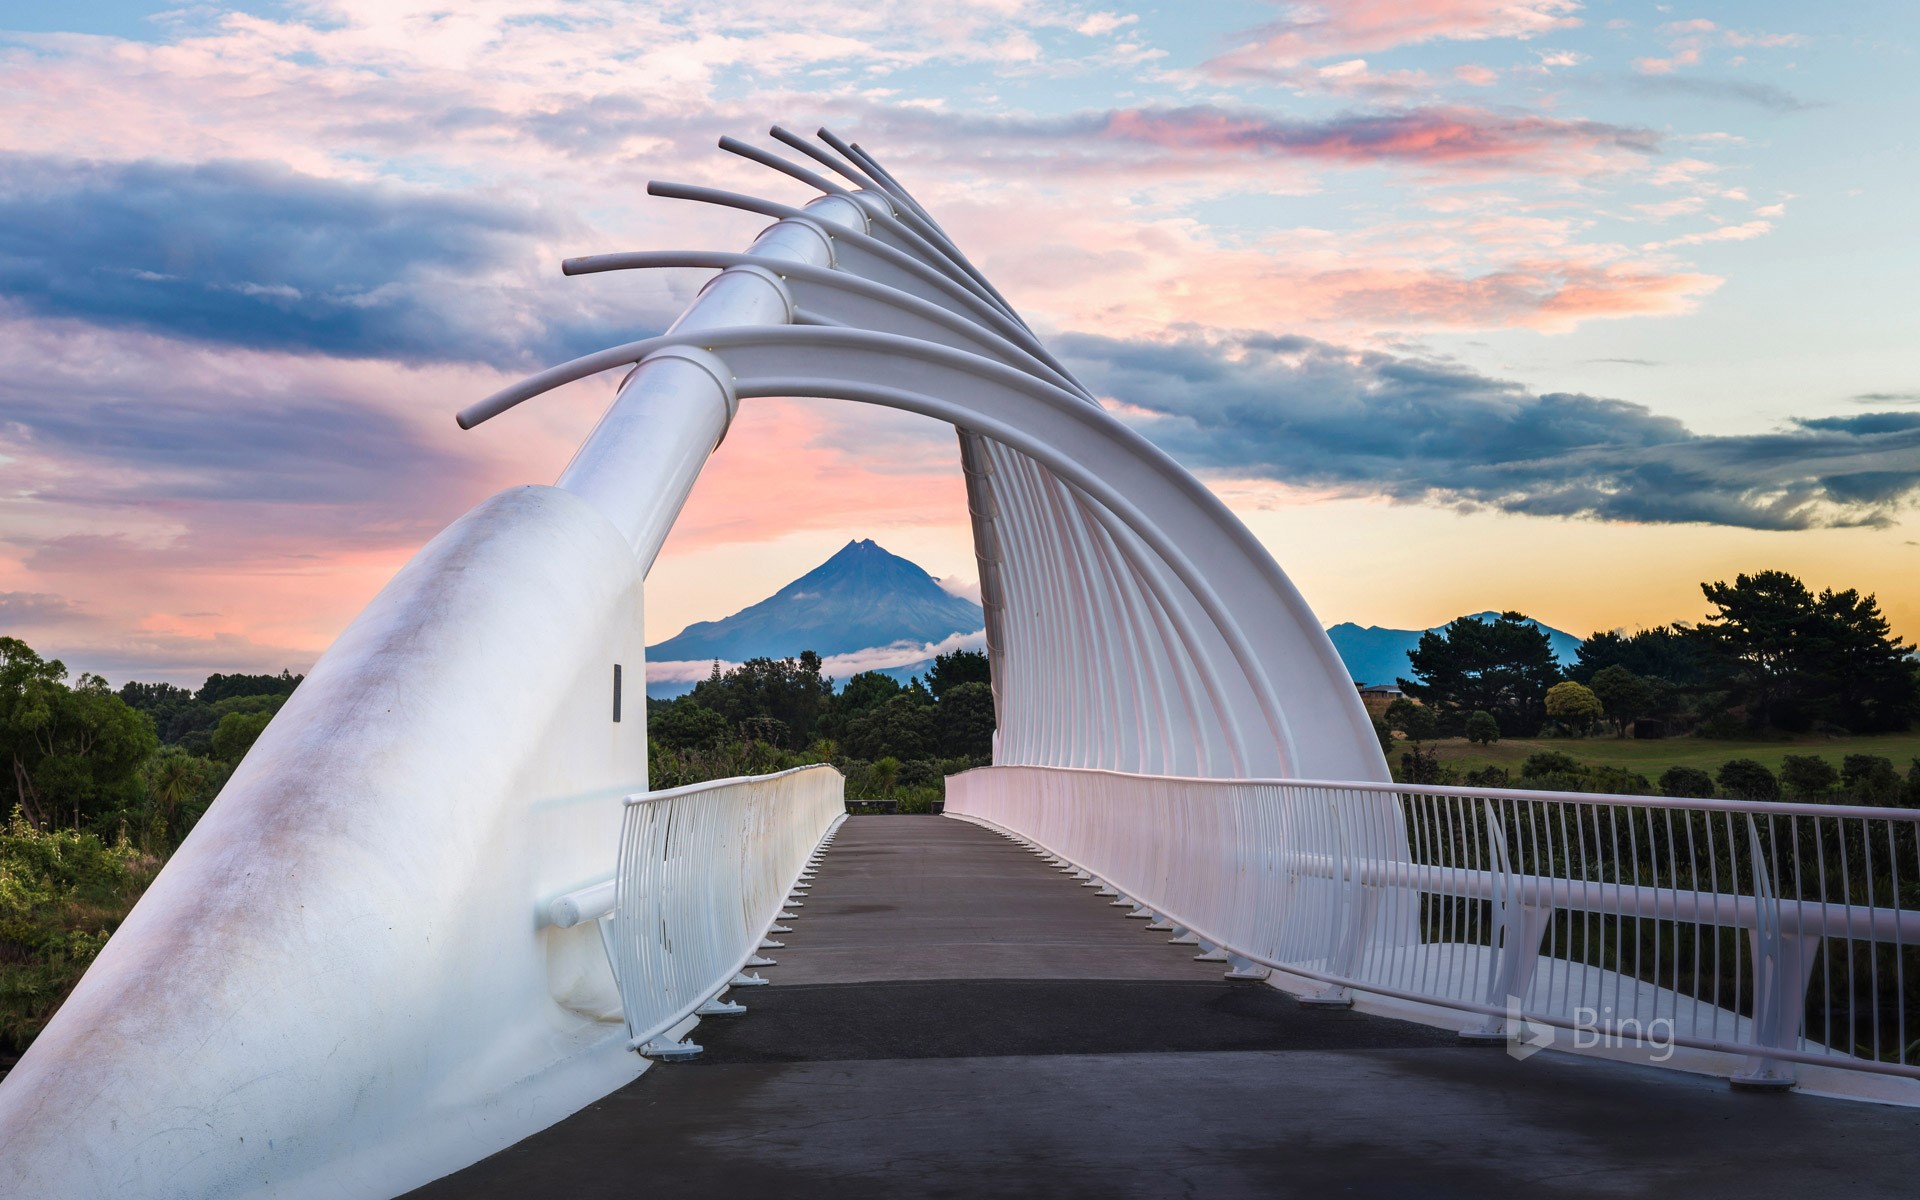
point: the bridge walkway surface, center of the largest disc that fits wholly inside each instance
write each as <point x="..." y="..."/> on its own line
<point x="953" y="1017"/>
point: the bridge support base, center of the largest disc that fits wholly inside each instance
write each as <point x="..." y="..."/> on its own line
<point x="1245" y="969"/>
<point x="668" y="1050"/>
<point x="1763" y="1080"/>
<point x="745" y="980"/>
<point x="1331" y="997"/>
<point x="716" y="1007"/>
<point x="1211" y="954"/>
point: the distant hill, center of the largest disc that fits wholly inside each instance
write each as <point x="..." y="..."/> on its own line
<point x="1376" y="655"/>
<point x="861" y="598"/>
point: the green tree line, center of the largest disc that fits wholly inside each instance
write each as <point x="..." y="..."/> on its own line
<point x="892" y="741"/>
<point x="101" y="787"/>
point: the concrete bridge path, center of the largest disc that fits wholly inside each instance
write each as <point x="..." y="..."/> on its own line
<point x="952" y="1017"/>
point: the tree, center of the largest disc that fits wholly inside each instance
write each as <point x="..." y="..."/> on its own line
<point x="964" y="720"/>
<point x="179" y="787"/>
<point x="1503" y="667"/>
<point x="1871" y="779"/>
<point x="1791" y="657"/>
<point x="1745" y="779"/>
<point x="68" y="751"/>
<point x="903" y="727"/>
<point x="1625" y="696"/>
<point x="1482" y="728"/>
<point x="236" y="733"/>
<point x="1663" y="652"/>
<point x="1414" y="720"/>
<point x="951" y="670"/>
<point x="222" y="687"/>
<point x="789" y="690"/>
<point x="1574" y="705"/>
<point x="686" y="725"/>
<point x="1863" y="675"/>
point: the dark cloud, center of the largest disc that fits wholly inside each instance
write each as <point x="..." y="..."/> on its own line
<point x="28" y="609"/>
<point x="255" y="255"/>
<point x="1305" y="412"/>
<point x="1759" y="95"/>
<point x="1112" y="139"/>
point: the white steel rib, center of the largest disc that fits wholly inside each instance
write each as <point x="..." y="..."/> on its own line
<point x="376" y="959"/>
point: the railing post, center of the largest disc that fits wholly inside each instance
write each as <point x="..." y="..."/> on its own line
<point x="1782" y="970"/>
<point x="1353" y="915"/>
<point x="1521" y="928"/>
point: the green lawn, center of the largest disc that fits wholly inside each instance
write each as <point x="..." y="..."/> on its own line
<point x="1650" y="757"/>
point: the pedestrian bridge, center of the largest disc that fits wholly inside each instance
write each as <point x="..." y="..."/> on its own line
<point x="952" y="1015"/>
<point x="1184" y="935"/>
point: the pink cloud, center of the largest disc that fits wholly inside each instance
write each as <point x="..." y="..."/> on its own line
<point x="1309" y="33"/>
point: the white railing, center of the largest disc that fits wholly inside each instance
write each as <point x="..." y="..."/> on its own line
<point x="705" y="870"/>
<point x="1782" y="933"/>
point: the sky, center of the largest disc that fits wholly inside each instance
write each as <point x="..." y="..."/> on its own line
<point x="1543" y="305"/>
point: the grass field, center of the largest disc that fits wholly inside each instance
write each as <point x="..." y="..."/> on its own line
<point x="1650" y="757"/>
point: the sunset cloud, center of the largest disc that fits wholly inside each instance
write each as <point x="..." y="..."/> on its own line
<point x="1313" y="415"/>
<point x="1311" y="32"/>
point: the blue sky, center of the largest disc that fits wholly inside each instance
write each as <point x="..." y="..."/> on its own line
<point x="1462" y="304"/>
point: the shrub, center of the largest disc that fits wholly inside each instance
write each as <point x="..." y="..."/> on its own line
<point x="61" y="894"/>
<point x="1745" y="779"/>
<point x="1487" y="777"/>
<point x="1423" y="766"/>
<point x="1543" y="763"/>
<point x="1619" y="781"/>
<point x="1807" y="775"/>
<point x="1871" y="779"/>
<point x="1482" y="728"/>
<point x="1686" y="781"/>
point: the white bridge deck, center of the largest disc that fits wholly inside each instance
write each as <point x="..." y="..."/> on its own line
<point x="950" y="1017"/>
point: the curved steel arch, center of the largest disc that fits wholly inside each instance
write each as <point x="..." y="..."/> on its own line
<point x="350" y="921"/>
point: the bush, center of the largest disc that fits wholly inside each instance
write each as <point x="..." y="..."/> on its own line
<point x="916" y="799"/>
<point x="1487" y="777"/>
<point x="1543" y="763"/>
<point x="1807" y="775"/>
<point x="1745" y="779"/>
<point x="684" y="725"/>
<point x="1724" y="727"/>
<point x="1871" y="779"/>
<point x="1482" y="728"/>
<point x="1686" y="782"/>
<point x="61" y="894"/>
<point x="1618" y="781"/>
<point x="1423" y="766"/>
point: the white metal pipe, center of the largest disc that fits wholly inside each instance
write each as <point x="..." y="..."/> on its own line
<point x="640" y="462"/>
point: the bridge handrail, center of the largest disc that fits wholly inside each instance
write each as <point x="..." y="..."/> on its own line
<point x="703" y="871"/>
<point x="1719" y="917"/>
<point x="1758" y="807"/>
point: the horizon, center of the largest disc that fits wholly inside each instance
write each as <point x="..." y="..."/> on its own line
<point x="851" y="663"/>
<point x="1555" y="307"/>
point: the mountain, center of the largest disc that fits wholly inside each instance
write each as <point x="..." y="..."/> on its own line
<point x="863" y="597"/>
<point x="1376" y="655"/>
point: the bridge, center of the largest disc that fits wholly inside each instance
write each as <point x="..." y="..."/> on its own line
<point x="1185" y="933"/>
